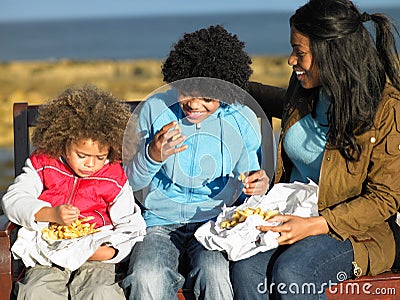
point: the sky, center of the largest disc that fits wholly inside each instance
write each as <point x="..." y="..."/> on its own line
<point x="20" y="10"/>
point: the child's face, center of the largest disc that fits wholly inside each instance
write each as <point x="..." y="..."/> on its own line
<point x="198" y="109"/>
<point x="86" y="157"/>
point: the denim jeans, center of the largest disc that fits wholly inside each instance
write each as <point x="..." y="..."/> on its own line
<point x="156" y="265"/>
<point x="299" y="271"/>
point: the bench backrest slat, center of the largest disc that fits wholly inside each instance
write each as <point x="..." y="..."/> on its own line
<point x="24" y="118"/>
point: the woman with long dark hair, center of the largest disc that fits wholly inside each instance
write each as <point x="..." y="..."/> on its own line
<point x="341" y="129"/>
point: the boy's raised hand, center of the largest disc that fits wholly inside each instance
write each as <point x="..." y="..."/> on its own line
<point x="166" y="141"/>
<point x="256" y="183"/>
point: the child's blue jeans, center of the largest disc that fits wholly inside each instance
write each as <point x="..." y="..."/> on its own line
<point x="155" y="263"/>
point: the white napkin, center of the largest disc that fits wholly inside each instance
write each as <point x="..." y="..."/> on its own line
<point x="33" y="249"/>
<point x="244" y="240"/>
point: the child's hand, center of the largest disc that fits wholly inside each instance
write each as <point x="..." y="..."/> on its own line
<point x="103" y="253"/>
<point x="166" y="141"/>
<point x="256" y="183"/>
<point x="65" y="214"/>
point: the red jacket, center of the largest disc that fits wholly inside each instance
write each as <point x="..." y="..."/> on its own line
<point x="92" y="195"/>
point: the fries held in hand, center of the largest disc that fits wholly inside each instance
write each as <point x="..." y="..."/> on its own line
<point x="78" y="228"/>
<point x="242" y="177"/>
<point x="239" y="216"/>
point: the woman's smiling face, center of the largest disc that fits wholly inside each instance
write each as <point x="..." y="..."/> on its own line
<point x="197" y="109"/>
<point x="301" y="60"/>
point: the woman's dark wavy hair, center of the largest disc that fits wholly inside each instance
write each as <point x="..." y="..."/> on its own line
<point x="209" y="52"/>
<point x="353" y="69"/>
<point x="81" y="113"/>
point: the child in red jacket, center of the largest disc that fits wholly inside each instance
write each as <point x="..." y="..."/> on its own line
<point x="75" y="172"/>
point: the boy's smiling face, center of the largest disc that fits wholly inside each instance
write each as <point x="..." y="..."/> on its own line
<point x="197" y="109"/>
<point x="86" y="157"/>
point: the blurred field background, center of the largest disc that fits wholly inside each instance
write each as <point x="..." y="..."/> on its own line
<point x="36" y="82"/>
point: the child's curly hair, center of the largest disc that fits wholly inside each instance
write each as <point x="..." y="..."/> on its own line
<point x="81" y="113"/>
<point x="210" y="52"/>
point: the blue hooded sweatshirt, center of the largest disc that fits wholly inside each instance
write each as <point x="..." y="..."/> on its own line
<point x="193" y="185"/>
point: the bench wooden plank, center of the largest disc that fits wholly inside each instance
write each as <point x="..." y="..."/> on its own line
<point x="384" y="286"/>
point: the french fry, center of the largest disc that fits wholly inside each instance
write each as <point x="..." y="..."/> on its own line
<point x="175" y="137"/>
<point x="177" y="127"/>
<point x="86" y="219"/>
<point x="78" y="228"/>
<point x="239" y="216"/>
<point x="242" y="177"/>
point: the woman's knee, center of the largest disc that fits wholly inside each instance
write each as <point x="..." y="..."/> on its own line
<point x="286" y="271"/>
<point x="240" y="269"/>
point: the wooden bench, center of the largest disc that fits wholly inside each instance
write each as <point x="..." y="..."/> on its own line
<point x="384" y="286"/>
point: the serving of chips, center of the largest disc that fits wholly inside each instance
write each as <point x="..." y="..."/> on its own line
<point x="239" y="216"/>
<point x="78" y="228"/>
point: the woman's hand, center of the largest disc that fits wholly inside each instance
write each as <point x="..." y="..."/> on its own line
<point x="64" y="214"/>
<point x="165" y="142"/>
<point x="256" y="183"/>
<point x="294" y="228"/>
<point x="103" y="253"/>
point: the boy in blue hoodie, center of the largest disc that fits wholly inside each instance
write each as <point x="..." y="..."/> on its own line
<point x="197" y="138"/>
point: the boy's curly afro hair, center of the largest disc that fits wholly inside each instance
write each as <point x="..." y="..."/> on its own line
<point x="81" y="113"/>
<point x="210" y="52"/>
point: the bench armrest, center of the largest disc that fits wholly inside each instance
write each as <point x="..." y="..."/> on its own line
<point x="6" y="226"/>
<point x="6" y="269"/>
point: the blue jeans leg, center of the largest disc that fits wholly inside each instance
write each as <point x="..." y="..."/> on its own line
<point x="209" y="274"/>
<point x="155" y="263"/>
<point x="248" y="276"/>
<point x="301" y="271"/>
<point x="153" y="267"/>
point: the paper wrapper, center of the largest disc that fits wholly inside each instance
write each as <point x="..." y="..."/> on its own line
<point x="244" y="240"/>
<point x="68" y="253"/>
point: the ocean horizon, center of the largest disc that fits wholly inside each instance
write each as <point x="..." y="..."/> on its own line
<point x="141" y="37"/>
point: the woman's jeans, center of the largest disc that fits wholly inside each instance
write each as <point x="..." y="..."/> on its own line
<point x="155" y="264"/>
<point x="300" y="271"/>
